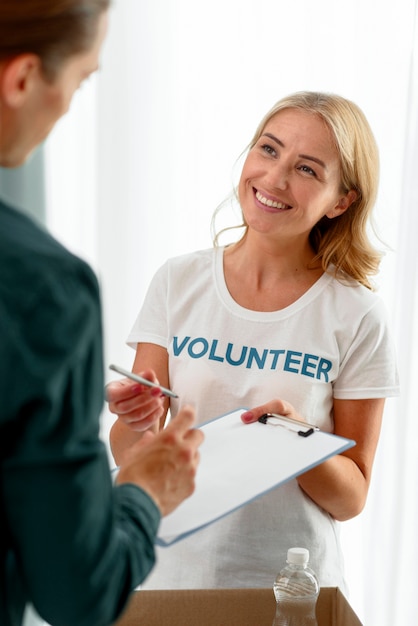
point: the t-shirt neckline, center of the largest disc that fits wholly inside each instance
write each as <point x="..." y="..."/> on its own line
<point x="240" y="311"/>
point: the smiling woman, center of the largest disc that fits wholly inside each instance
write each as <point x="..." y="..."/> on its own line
<point x="290" y="326"/>
<point x="342" y="170"/>
<point x="281" y="171"/>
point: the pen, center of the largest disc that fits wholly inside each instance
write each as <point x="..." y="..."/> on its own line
<point x="143" y="381"/>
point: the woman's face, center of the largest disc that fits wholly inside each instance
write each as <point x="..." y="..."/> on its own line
<point x="291" y="177"/>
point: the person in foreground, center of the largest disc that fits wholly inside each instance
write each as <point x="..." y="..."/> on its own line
<point x="71" y="544"/>
<point x="284" y="320"/>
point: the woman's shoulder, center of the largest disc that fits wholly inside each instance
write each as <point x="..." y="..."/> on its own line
<point x="350" y="294"/>
<point x="195" y="256"/>
<point x="187" y="273"/>
<point x="191" y="261"/>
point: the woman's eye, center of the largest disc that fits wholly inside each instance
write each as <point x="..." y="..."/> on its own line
<point x="268" y="149"/>
<point x="307" y="170"/>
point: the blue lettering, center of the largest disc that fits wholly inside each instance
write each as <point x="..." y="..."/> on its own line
<point x="307" y="363"/>
<point x="291" y="360"/>
<point x="324" y="367"/>
<point x="229" y="358"/>
<point x="212" y="354"/>
<point x="178" y="349"/>
<point x="295" y="362"/>
<point x="276" y="354"/>
<point x="197" y="355"/>
<point x="254" y="356"/>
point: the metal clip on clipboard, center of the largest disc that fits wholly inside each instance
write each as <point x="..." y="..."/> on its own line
<point x="302" y="429"/>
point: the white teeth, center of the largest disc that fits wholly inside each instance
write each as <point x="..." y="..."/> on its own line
<point x="270" y="203"/>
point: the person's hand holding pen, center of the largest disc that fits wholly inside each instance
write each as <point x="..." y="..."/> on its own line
<point x="138" y="405"/>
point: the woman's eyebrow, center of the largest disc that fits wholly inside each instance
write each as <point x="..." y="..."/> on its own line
<point x="302" y="156"/>
<point x="280" y="143"/>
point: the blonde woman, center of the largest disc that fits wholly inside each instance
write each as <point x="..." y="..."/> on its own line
<point x="283" y="320"/>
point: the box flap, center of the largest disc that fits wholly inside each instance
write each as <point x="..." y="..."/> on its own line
<point x="333" y="609"/>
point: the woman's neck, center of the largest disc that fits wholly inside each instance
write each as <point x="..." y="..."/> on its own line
<point x="264" y="276"/>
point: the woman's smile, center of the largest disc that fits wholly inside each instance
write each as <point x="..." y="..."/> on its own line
<point x="270" y="204"/>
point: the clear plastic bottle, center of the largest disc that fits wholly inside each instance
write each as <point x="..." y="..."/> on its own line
<point x="296" y="590"/>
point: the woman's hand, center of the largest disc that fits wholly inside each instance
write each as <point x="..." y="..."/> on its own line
<point x="139" y="407"/>
<point x="340" y="484"/>
<point x="280" y="407"/>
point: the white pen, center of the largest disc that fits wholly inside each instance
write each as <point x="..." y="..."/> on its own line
<point x="143" y="381"/>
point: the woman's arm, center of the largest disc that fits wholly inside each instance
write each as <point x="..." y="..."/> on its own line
<point x="340" y="484"/>
<point x="138" y="408"/>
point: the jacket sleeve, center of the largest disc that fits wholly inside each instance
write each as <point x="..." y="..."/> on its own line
<point x="80" y="545"/>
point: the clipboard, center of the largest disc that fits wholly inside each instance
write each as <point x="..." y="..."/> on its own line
<point x="241" y="462"/>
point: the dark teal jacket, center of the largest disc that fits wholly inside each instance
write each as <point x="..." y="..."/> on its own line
<point x="70" y="543"/>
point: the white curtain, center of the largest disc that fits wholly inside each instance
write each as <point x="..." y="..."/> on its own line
<point x="147" y="152"/>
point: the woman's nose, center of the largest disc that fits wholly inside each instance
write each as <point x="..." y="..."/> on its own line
<point x="278" y="176"/>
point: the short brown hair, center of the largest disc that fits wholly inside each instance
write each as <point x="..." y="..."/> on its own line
<point x="52" y="29"/>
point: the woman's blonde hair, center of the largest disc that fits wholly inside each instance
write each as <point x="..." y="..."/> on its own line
<point x="343" y="241"/>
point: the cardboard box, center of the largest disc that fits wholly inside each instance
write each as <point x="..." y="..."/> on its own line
<point x="226" y="607"/>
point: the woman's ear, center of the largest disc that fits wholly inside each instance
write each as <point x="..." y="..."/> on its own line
<point x="343" y="203"/>
<point x="16" y="78"/>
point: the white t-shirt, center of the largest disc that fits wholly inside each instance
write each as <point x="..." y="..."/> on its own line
<point x="333" y="342"/>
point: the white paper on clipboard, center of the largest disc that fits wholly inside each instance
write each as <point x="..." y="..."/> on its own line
<point x="239" y="463"/>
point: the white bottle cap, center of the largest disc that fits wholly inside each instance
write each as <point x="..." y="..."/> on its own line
<point x="298" y="556"/>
